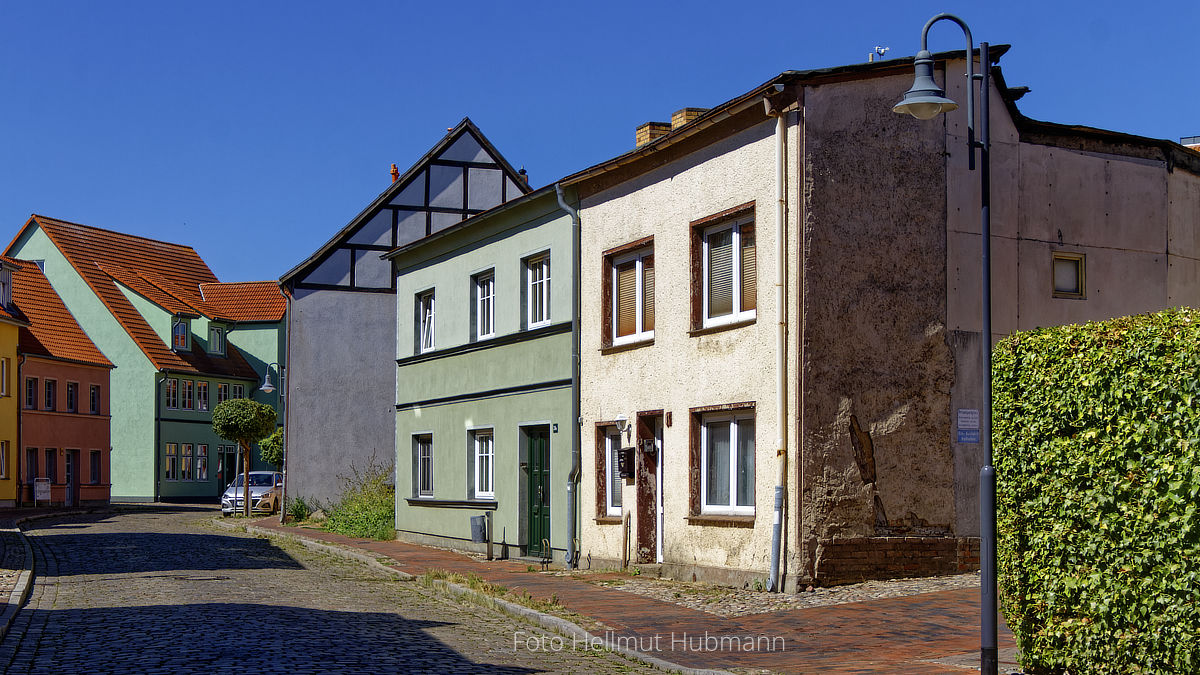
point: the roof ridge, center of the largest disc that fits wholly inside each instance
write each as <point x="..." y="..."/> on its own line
<point x="108" y="231"/>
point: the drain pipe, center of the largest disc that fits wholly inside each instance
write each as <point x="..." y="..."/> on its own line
<point x="576" y="419"/>
<point x="774" y="582"/>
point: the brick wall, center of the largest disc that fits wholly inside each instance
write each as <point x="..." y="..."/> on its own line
<point x="844" y="561"/>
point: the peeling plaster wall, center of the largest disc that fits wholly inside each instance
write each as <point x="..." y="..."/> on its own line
<point x="877" y="366"/>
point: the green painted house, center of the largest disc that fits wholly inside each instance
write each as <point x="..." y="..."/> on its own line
<point x="484" y="403"/>
<point x="182" y="343"/>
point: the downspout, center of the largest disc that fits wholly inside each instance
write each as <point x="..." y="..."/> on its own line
<point x="283" y="385"/>
<point x="576" y="419"/>
<point x="20" y="449"/>
<point x="774" y="582"/>
<point x="158" y="397"/>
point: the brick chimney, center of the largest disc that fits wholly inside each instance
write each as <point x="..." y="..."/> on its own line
<point x="652" y="131"/>
<point x="395" y="173"/>
<point x="685" y="115"/>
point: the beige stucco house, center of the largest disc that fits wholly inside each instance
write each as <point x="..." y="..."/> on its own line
<point x="710" y="377"/>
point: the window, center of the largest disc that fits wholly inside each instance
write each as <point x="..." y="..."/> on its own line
<point x="31" y="393"/>
<point x="72" y="397"/>
<point x="729" y="273"/>
<point x="3" y="459"/>
<point x="94" y="399"/>
<point x="614" y="482"/>
<point x="172" y="394"/>
<point x="186" y="388"/>
<point x="485" y="305"/>
<point x="51" y="391"/>
<point x="222" y="392"/>
<point x="425" y="322"/>
<point x="1068" y="275"/>
<point x="537" y="291"/>
<point x="423" y="465"/>
<point x="94" y="458"/>
<point x="31" y="464"/>
<point x="201" y="396"/>
<point x="216" y="341"/>
<point x="726" y="458"/>
<point x="4" y="376"/>
<point x="202" y="462"/>
<point x="630" y="305"/>
<point x="239" y="391"/>
<point x="51" y="468"/>
<point x="179" y="335"/>
<point x="484" y="442"/>
<point x="185" y="463"/>
<point x="171" y="466"/>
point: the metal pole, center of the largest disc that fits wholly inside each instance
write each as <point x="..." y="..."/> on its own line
<point x="987" y="476"/>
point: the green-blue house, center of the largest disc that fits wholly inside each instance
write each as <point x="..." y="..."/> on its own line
<point x="182" y="343"/>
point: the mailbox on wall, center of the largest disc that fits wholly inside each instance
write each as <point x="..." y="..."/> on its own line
<point x="625" y="462"/>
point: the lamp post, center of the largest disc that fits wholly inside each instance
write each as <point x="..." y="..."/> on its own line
<point x="926" y="100"/>
<point x="268" y="387"/>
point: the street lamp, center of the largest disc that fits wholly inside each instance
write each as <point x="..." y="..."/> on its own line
<point x="268" y="387"/>
<point x="926" y="100"/>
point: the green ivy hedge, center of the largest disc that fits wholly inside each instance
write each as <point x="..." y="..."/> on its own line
<point x="1096" y="435"/>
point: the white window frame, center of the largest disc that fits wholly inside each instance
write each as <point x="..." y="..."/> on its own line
<point x="737" y="315"/>
<point x="640" y="333"/>
<point x="201" y="462"/>
<point x="180" y="328"/>
<point x="426" y="321"/>
<point x="171" y="468"/>
<point x="238" y="391"/>
<point x="187" y="391"/>
<point x="222" y="392"/>
<point x="483" y="444"/>
<point x="185" y="462"/>
<point x="201" y="396"/>
<point x="4" y="376"/>
<point x="612" y="446"/>
<point x="731" y="419"/>
<point x="537" y="290"/>
<point x="216" y="340"/>
<point x="422" y="456"/>
<point x="485" y="305"/>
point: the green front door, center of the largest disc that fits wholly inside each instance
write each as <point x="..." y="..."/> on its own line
<point x="539" y="491"/>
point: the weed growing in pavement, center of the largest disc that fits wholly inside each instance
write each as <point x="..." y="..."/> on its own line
<point x="298" y="509"/>
<point x="477" y="583"/>
<point x="367" y="507"/>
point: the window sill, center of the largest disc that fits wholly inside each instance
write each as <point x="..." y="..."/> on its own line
<point x="609" y="520"/>
<point x="628" y="346"/>
<point x="697" y="332"/>
<point x="721" y="521"/>
<point x="488" y="504"/>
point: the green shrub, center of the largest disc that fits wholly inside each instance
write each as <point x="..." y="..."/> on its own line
<point x="298" y="509"/>
<point x="1096" y="436"/>
<point x="367" y="507"/>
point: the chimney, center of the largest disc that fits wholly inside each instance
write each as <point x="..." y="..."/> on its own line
<point x="1192" y="142"/>
<point x="685" y="115"/>
<point x="395" y="173"/>
<point x="652" y="131"/>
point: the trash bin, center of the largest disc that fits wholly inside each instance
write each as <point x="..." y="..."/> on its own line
<point x="478" y="529"/>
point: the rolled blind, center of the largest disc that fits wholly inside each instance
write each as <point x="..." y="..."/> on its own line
<point x="749" y="270"/>
<point x="720" y="273"/>
<point x="626" y="299"/>
<point x="648" y="292"/>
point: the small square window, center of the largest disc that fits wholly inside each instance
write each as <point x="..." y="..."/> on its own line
<point x="1068" y="275"/>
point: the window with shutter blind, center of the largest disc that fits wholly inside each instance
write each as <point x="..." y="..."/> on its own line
<point x="633" y="297"/>
<point x="730" y="273"/>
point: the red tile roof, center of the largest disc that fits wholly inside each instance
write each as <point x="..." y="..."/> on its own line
<point x="247" y="300"/>
<point x="52" y="330"/>
<point x="161" y="271"/>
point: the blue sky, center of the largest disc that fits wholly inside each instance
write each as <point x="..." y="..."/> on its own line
<point x="253" y="131"/>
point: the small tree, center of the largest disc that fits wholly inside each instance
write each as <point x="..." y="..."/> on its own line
<point x="270" y="449"/>
<point x="244" y="422"/>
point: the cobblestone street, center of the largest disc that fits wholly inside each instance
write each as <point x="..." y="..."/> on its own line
<point x="162" y="591"/>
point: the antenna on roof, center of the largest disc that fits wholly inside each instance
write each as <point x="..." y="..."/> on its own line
<point x="880" y="51"/>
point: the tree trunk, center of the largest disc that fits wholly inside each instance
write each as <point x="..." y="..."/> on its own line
<point x="246" y="479"/>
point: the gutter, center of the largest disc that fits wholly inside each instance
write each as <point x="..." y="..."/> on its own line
<point x="572" y="560"/>
<point x="774" y="580"/>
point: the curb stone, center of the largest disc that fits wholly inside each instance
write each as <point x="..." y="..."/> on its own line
<point x="24" y="584"/>
<point x="547" y="621"/>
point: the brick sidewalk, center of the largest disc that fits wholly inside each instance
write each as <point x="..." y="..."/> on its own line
<point x="895" y="635"/>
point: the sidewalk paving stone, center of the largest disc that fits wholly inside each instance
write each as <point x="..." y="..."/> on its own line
<point x="926" y="633"/>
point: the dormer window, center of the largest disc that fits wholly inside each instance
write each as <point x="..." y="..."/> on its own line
<point x="179" y="335"/>
<point x="216" y="340"/>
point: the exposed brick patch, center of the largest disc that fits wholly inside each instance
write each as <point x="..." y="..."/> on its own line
<point x="841" y="561"/>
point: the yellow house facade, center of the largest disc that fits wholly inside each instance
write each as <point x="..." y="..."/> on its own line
<point x="10" y="325"/>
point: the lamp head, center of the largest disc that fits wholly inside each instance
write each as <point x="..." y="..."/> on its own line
<point x="925" y="99"/>
<point x="266" y="385"/>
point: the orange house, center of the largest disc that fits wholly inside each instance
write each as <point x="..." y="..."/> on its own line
<point x="63" y="382"/>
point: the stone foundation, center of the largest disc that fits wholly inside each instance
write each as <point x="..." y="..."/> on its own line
<point x="847" y="561"/>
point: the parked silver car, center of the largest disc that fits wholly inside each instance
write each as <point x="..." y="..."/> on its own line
<point x="266" y="487"/>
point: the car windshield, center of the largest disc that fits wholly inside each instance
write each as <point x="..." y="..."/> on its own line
<point x="257" y="480"/>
